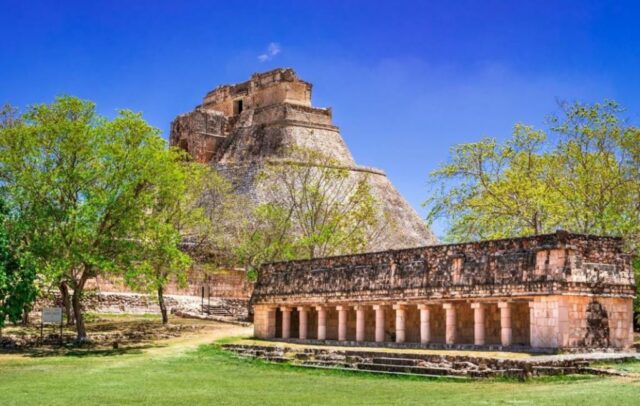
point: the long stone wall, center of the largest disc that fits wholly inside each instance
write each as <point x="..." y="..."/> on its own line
<point x="548" y="291"/>
<point x="544" y="264"/>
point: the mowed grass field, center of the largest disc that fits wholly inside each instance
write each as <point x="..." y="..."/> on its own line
<point x="187" y="372"/>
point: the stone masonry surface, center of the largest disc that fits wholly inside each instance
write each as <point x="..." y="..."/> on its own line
<point x="558" y="290"/>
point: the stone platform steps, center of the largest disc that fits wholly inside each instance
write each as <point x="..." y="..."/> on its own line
<point x="427" y="365"/>
<point x="373" y="371"/>
<point x="217" y="310"/>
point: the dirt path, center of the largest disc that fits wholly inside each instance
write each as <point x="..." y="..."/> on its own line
<point x="191" y="341"/>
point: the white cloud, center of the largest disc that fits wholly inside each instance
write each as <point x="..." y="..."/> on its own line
<point x="273" y="49"/>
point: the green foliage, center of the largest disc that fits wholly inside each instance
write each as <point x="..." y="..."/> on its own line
<point x="318" y="209"/>
<point x="584" y="177"/>
<point x="159" y="256"/>
<point x="82" y="185"/>
<point x="189" y="216"/>
<point x="491" y="190"/>
<point x="17" y="276"/>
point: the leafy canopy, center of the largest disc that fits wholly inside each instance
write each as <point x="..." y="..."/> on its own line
<point x="83" y="185"/>
<point x="318" y="208"/>
<point x="582" y="176"/>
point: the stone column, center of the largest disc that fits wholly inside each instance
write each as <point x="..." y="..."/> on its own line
<point x="360" y="313"/>
<point x="400" y="322"/>
<point x="425" y="328"/>
<point x="478" y="323"/>
<point x="302" y="332"/>
<point x="286" y="322"/>
<point x="271" y="322"/>
<point x="532" y="324"/>
<point x="506" y="333"/>
<point x="322" y="322"/>
<point x="342" y="322"/>
<point x="450" y="328"/>
<point x="264" y="321"/>
<point x="379" y="323"/>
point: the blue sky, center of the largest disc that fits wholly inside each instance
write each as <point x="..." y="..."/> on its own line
<point x="406" y="80"/>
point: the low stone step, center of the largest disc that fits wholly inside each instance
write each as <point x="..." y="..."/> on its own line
<point x="331" y="357"/>
<point x="276" y="359"/>
<point x="395" y="361"/>
<point x="259" y="353"/>
<point x="545" y="370"/>
<point x="382" y="372"/>
<point x="563" y="370"/>
<point x="327" y="364"/>
<point x="408" y="369"/>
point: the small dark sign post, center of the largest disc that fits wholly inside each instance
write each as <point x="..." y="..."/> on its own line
<point x="51" y="315"/>
<point x="205" y="291"/>
<point x="202" y="300"/>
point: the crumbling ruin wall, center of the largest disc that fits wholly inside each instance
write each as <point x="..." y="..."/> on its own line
<point x="509" y="267"/>
<point x="582" y="321"/>
<point x="263" y="89"/>
<point x="200" y="133"/>
<point x="598" y="332"/>
<point x="232" y="284"/>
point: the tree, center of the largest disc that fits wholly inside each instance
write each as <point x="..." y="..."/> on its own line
<point x="161" y="259"/>
<point x="318" y="208"/>
<point x="492" y="191"/>
<point x="82" y="185"/>
<point x="188" y="216"/>
<point x="583" y="176"/>
<point x="595" y="171"/>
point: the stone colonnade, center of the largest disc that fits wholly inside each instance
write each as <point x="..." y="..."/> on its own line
<point x="447" y="315"/>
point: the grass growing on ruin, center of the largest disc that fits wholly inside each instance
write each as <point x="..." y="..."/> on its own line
<point x="183" y="373"/>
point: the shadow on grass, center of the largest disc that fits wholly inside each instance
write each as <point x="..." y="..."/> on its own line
<point x="80" y="352"/>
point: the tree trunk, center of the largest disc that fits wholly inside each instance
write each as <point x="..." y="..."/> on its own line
<point x="25" y="315"/>
<point x="163" y="306"/>
<point x="76" y="299"/>
<point x="66" y="303"/>
<point x="536" y="223"/>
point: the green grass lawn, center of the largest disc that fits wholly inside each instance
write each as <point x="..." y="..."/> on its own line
<point x="211" y="376"/>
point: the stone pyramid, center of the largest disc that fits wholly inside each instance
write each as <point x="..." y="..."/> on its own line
<point x="238" y="128"/>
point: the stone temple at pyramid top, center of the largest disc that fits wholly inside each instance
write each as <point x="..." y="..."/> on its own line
<point x="263" y="89"/>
